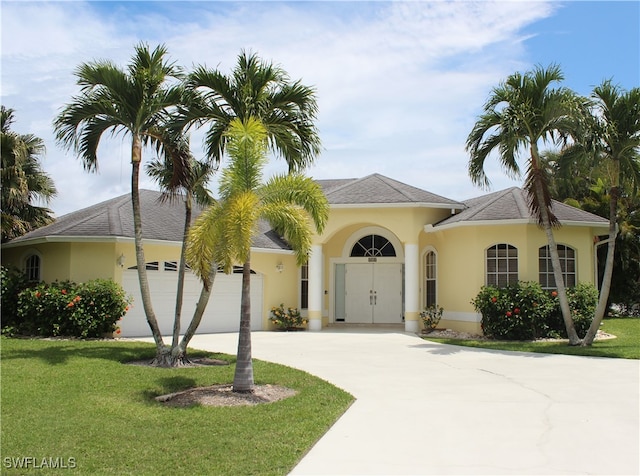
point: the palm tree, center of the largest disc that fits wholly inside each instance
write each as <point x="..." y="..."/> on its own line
<point x="137" y="103"/>
<point x="23" y="181"/>
<point x="224" y="232"/>
<point x="520" y="114"/>
<point x="255" y="89"/>
<point x="614" y="140"/>
<point x="192" y="191"/>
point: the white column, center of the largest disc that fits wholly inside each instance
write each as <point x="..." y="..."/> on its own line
<point x="411" y="287"/>
<point x="315" y="288"/>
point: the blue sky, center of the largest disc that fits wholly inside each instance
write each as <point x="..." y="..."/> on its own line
<point x="399" y="84"/>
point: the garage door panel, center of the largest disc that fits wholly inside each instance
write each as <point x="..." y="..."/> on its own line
<point x="222" y="313"/>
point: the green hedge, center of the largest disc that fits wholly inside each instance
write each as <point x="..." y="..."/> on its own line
<point x="525" y="311"/>
<point x="86" y="310"/>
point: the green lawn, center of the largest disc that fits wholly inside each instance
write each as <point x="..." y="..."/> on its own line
<point x="626" y="345"/>
<point x="76" y="401"/>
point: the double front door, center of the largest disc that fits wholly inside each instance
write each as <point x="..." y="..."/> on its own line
<point x="373" y="293"/>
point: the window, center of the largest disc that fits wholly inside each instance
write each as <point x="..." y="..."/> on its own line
<point x="373" y="245"/>
<point x="32" y="268"/>
<point x="304" y="286"/>
<point x="430" y="279"/>
<point x="173" y="266"/>
<point x="567" y="263"/>
<point x="502" y="265"/>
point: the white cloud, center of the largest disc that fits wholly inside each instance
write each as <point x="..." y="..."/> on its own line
<point x="399" y="84"/>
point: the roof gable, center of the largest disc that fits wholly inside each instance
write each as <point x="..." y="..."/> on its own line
<point x="378" y="189"/>
<point x="511" y="204"/>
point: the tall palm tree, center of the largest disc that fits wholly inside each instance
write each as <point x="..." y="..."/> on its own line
<point x="192" y="192"/>
<point x="223" y="233"/>
<point x="260" y="89"/>
<point x="521" y="114"/>
<point x="137" y="103"/>
<point x="614" y="140"/>
<point x="23" y="180"/>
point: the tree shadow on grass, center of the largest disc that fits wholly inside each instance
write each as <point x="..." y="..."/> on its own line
<point x="167" y="385"/>
<point x="60" y="351"/>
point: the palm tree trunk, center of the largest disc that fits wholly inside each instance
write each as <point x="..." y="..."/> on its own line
<point x="181" y="271"/>
<point x="136" y="158"/>
<point x="243" y="377"/>
<point x="543" y="205"/>
<point x="179" y="352"/>
<point x="605" y="287"/>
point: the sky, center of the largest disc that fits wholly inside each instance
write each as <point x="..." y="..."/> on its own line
<point x="399" y="84"/>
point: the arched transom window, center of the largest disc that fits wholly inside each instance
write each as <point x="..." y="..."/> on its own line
<point x="372" y="245"/>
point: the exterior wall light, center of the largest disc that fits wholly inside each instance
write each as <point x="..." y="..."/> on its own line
<point x="120" y="261"/>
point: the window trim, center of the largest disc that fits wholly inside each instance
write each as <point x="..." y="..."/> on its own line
<point x="303" y="290"/>
<point x="425" y="298"/>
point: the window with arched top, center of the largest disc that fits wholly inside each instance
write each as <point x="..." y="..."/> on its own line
<point x="32" y="268"/>
<point x="430" y="274"/>
<point x="567" y="257"/>
<point x="502" y="265"/>
<point x="373" y="245"/>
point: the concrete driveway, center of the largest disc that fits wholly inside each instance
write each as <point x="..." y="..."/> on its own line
<point x="427" y="408"/>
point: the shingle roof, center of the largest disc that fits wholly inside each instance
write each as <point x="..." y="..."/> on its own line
<point x="378" y="189"/>
<point x="511" y="204"/>
<point x="162" y="221"/>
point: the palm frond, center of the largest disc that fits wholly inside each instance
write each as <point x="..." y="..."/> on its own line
<point x="298" y="190"/>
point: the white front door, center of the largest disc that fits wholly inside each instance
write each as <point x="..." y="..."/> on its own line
<point x="373" y="293"/>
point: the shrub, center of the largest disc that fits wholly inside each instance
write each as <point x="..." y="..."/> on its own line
<point x="85" y="310"/>
<point x="525" y="311"/>
<point x="515" y="312"/>
<point x="431" y="317"/>
<point x="13" y="282"/>
<point x="286" y="319"/>
<point x="583" y="300"/>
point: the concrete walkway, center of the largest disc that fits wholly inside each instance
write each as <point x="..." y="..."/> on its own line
<point x="427" y="408"/>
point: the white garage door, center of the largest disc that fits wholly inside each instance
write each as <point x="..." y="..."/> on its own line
<point x="222" y="313"/>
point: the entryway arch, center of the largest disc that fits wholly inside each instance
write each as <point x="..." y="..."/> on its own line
<point x="368" y="278"/>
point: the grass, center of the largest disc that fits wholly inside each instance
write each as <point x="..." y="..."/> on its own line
<point x="76" y="399"/>
<point x="626" y="345"/>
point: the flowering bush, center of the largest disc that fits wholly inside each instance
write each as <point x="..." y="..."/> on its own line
<point x="286" y="319"/>
<point x="85" y="310"/>
<point x="583" y="300"/>
<point x="525" y="311"/>
<point x="431" y="316"/>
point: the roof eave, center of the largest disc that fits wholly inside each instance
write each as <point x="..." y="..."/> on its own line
<point x="429" y="228"/>
<point x="85" y="239"/>
<point x="447" y="206"/>
<point x="116" y="239"/>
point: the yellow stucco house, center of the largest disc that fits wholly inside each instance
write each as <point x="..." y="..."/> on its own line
<point x="388" y="251"/>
